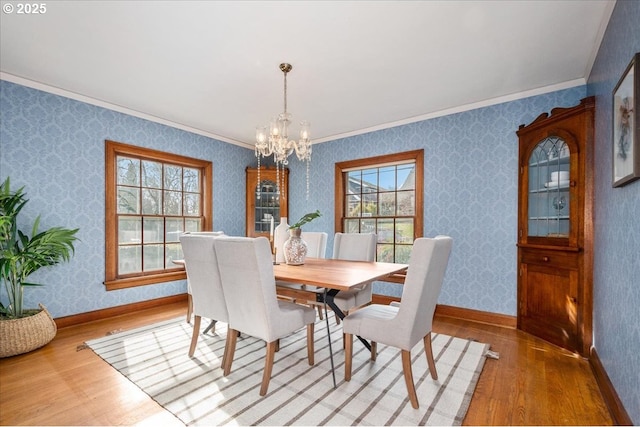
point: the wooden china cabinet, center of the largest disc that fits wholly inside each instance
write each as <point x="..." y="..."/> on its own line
<point x="555" y="226"/>
<point x="264" y="201"/>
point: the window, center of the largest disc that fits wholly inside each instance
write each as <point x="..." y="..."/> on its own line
<point x="382" y="195"/>
<point x="151" y="197"/>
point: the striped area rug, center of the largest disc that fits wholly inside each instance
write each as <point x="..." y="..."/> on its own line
<point x="194" y="390"/>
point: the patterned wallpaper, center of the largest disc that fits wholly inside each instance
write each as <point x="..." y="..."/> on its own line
<point x="470" y="192"/>
<point x="617" y="227"/>
<point x="54" y="146"/>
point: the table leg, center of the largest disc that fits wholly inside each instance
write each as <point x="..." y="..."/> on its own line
<point x="326" y="318"/>
<point x="328" y="297"/>
<point x="211" y="326"/>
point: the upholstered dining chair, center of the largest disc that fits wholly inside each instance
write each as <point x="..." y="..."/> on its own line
<point x="203" y="276"/>
<point x="246" y="270"/>
<point x="316" y="248"/>
<point x="354" y="247"/>
<point x="404" y="325"/>
<point x="189" y="298"/>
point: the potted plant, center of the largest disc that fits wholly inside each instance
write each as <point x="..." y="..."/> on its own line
<point x="295" y="249"/>
<point x="23" y="330"/>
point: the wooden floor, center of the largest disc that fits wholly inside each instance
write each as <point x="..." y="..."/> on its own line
<point x="532" y="383"/>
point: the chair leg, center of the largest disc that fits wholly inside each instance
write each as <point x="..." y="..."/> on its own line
<point x="320" y="315"/>
<point x="348" y="355"/>
<point x="229" y="350"/>
<point x="194" y="335"/>
<point x="374" y="350"/>
<point x="408" y="378"/>
<point x="268" y="366"/>
<point x="429" y="352"/>
<point x="189" y="307"/>
<point x="310" y="344"/>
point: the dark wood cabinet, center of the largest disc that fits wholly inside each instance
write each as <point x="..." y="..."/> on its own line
<point x="266" y="200"/>
<point x="555" y="226"/>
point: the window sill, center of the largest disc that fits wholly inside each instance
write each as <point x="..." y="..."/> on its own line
<point x="132" y="282"/>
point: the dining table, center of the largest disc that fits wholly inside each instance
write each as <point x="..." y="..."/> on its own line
<point x="333" y="276"/>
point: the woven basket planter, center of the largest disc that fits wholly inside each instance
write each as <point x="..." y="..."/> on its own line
<point x="26" y="334"/>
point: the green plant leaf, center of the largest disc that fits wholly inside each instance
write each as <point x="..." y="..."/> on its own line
<point x="306" y="219"/>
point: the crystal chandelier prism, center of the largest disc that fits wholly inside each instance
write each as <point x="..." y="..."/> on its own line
<point x="273" y="140"/>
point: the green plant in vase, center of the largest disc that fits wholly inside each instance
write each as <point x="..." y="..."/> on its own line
<point x="20" y="256"/>
<point x="307" y="218"/>
<point x="295" y="249"/>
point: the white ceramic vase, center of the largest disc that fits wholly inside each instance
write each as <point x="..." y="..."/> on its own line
<point x="280" y="235"/>
<point x="295" y="249"/>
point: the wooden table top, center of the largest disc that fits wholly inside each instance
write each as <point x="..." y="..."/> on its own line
<point x="334" y="273"/>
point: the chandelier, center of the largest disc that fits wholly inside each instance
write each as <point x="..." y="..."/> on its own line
<point x="274" y="140"/>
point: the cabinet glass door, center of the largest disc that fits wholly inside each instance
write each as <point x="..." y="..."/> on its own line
<point x="267" y="210"/>
<point x="549" y="189"/>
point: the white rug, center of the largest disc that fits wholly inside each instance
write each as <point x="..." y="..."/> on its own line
<point x="194" y="390"/>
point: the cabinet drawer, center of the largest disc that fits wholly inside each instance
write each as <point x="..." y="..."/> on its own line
<point x="557" y="259"/>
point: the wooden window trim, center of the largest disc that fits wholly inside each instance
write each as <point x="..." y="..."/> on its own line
<point x="114" y="149"/>
<point x="341" y="176"/>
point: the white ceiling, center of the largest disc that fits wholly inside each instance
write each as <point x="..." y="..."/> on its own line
<point x="212" y="67"/>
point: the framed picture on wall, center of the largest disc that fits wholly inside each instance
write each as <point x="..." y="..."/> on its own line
<point x="626" y="125"/>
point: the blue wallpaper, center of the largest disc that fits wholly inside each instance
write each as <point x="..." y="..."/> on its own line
<point x="617" y="230"/>
<point x="55" y="147"/>
<point x="470" y="192"/>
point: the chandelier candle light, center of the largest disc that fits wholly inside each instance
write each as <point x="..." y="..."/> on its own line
<point x="276" y="141"/>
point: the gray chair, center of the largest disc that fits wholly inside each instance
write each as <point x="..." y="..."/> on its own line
<point x="404" y="325"/>
<point x="246" y="270"/>
<point x="207" y="296"/>
<point x="298" y="292"/>
<point x="354" y="247"/>
<point x="189" y="298"/>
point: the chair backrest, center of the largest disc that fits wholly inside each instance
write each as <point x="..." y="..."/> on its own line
<point x="422" y="285"/>
<point x="316" y="243"/>
<point x="203" y="275"/>
<point x="246" y="270"/>
<point x="355" y="246"/>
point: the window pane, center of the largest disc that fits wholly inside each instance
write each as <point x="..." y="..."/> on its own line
<point x="384" y="253"/>
<point x="192" y="224"/>
<point x="129" y="259"/>
<point x="151" y="202"/>
<point x="129" y="230"/>
<point x="404" y="230"/>
<point x="173" y="251"/>
<point x="191" y="204"/>
<point x="369" y="180"/>
<point x="128" y="171"/>
<point x="172" y="203"/>
<point x="174" y="229"/>
<point x="368" y="226"/>
<point x="385" y="231"/>
<point x="370" y="204"/>
<point x="151" y="174"/>
<point x="153" y="230"/>
<point x="172" y="177"/>
<point x="403" y="253"/>
<point x="352" y="226"/>
<point x="354" y="206"/>
<point x="387" y="204"/>
<point x="388" y="178"/>
<point x="153" y="257"/>
<point x="406" y="203"/>
<point x="354" y="182"/>
<point x="191" y="180"/>
<point x="128" y="200"/>
<point x="406" y="177"/>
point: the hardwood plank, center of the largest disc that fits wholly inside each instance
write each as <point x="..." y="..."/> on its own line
<point x="532" y="382"/>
